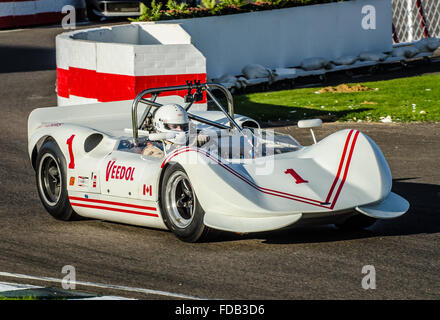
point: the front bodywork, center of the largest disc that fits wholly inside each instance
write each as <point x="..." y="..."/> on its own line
<point x="342" y="172"/>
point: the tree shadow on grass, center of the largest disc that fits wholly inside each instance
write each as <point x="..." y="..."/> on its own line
<point x="271" y="115"/>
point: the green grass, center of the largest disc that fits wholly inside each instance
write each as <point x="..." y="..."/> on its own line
<point x="18" y="298"/>
<point x="404" y="100"/>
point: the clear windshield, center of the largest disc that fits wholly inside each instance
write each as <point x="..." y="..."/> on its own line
<point x="249" y="144"/>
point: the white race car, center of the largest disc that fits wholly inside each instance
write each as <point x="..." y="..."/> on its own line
<point x="88" y="161"/>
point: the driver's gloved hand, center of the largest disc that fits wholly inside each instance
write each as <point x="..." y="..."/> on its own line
<point x="152" y="151"/>
<point x="202" y="139"/>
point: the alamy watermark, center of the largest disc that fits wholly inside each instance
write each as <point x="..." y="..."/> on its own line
<point x="369" y="280"/>
<point x="368" y="21"/>
<point x="69" y="280"/>
<point x="69" y="20"/>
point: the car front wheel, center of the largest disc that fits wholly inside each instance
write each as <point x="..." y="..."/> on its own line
<point x="181" y="210"/>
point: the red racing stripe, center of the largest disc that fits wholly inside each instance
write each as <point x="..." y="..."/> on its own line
<point x="340" y="167"/>
<point x="114" y="209"/>
<point x="112" y="203"/>
<point x="346" y="170"/>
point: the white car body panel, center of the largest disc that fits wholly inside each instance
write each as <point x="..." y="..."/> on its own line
<point x="344" y="172"/>
<point x="391" y="207"/>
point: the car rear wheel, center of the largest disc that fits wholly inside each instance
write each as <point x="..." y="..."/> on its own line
<point x="51" y="176"/>
<point x="181" y="210"/>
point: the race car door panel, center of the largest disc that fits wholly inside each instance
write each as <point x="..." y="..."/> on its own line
<point x="129" y="175"/>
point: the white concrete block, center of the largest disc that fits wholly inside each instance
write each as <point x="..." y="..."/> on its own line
<point x="199" y="107"/>
<point x="82" y="54"/>
<point x="79" y="100"/>
<point x="99" y="34"/>
<point x="169" y="60"/>
<point x="115" y="58"/>
<point x="175" y="70"/>
<point x="162" y="34"/>
<point x="62" y="51"/>
<point x="61" y="101"/>
<point x="193" y="70"/>
<point x="125" y="34"/>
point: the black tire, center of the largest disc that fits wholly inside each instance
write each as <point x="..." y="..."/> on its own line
<point x="90" y="14"/>
<point x="51" y="177"/>
<point x="356" y="222"/>
<point x="186" y="223"/>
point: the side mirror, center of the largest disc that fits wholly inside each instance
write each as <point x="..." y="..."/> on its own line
<point x="309" y="124"/>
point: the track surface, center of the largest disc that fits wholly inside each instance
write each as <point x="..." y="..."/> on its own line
<point x="302" y="263"/>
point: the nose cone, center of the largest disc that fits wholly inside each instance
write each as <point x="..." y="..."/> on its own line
<point x="351" y="171"/>
<point x="368" y="176"/>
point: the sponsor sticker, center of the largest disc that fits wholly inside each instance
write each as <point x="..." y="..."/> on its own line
<point x="119" y="172"/>
<point x="83" y="181"/>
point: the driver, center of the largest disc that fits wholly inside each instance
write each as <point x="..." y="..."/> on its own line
<point x="170" y="118"/>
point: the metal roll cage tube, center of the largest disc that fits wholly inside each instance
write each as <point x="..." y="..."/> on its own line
<point x="202" y="87"/>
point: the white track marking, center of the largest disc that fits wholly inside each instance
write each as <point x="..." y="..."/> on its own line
<point x="6" y="286"/>
<point x="104" y="286"/>
<point x="12" y="30"/>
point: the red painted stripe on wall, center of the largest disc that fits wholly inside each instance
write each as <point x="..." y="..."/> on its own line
<point x="37" y="19"/>
<point x="81" y="82"/>
<point x="6" y="22"/>
<point x="63" y="82"/>
<point x="106" y="87"/>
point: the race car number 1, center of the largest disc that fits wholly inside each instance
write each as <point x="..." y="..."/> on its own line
<point x="72" y="159"/>
<point x="295" y="176"/>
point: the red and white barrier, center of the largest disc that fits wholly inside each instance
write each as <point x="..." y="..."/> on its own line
<point x="19" y="13"/>
<point x="116" y="63"/>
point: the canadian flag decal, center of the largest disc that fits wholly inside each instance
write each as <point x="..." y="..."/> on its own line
<point x="148" y="190"/>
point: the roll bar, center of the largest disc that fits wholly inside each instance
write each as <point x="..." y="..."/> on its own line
<point x="190" y="98"/>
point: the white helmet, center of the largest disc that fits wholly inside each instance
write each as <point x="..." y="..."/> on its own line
<point x="172" y="118"/>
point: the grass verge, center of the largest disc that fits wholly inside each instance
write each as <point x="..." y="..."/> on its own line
<point x="17" y="298"/>
<point x="399" y="100"/>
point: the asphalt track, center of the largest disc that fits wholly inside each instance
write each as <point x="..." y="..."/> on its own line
<point x="303" y="263"/>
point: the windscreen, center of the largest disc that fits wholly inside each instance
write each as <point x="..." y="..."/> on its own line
<point x="248" y="144"/>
